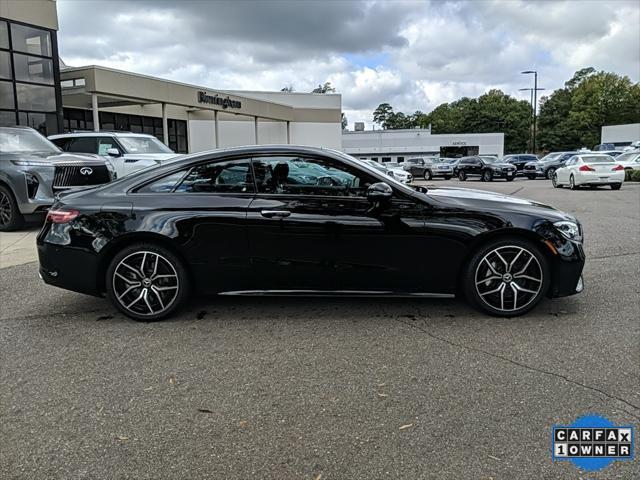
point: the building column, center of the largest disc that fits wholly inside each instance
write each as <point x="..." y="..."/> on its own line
<point x="255" y="129"/>
<point x="94" y="109"/>
<point x="288" y="132"/>
<point x="216" y="131"/>
<point x="165" y="125"/>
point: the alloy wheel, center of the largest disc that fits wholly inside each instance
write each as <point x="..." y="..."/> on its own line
<point x="145" y="283"/>
<point x="550" y="173"/>
<point x="554" y="181"/>
<point x="5" y="209"/>
<point x="508" y="278"/>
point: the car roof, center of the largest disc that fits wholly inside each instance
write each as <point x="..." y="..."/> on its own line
<point x="100" y="134"/>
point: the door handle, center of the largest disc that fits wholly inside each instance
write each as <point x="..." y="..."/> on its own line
<point x="275" y="213"/>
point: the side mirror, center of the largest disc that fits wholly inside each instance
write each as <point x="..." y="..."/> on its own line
<point x="113" y="152"/>
<point x="379" y="191"/>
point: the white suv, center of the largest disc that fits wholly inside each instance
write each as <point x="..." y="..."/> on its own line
<point x="126" y="151"/>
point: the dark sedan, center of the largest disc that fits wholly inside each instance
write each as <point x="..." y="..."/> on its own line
<point x="519" y="161"/>
<point x="231" y="222"/>
<point x="485" y="168"/>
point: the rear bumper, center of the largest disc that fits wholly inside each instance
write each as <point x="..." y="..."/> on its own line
<point x="606" y="178"/>
<point x="69" y="268"/>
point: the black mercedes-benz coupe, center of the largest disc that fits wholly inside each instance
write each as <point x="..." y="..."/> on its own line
<point x="287" y="220"/>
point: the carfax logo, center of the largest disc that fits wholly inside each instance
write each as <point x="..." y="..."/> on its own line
<point x="592" y="442"/>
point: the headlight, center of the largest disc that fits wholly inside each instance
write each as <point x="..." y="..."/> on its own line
<point x="31" y="163"/>
<point x="570" y="230"/>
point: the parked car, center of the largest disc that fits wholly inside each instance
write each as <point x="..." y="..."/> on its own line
<point x="547" y="165"/>
<point x="602" y="147"/>
<point x="633" y="146"/>
<point x="520" y="160"/>
<point x="612" y="153"/>
<point x="485" y="169"/>
<point x="592" y="170"/>
<point x="396" y="171"/>
<point x="33" y="170"/>
<point x="629" y="160"/>
<point x="427" y="168"/>
<point x="128" y="152"/>
<point x="148" y="247"/>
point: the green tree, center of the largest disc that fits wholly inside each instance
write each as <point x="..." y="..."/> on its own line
<point x="324" y="88"/>
<point x="382" y="113"/>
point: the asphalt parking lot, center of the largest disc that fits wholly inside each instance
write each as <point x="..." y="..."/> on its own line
<point x="325" y="388"/>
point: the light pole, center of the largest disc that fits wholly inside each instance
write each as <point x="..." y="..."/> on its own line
<point x="535" y="103"/>
<point x="532" y="114"/>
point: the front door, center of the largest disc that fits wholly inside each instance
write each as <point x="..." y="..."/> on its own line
<point x="314" y="229"/>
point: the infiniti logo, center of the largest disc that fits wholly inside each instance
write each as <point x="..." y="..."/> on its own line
<point x="86" y="171"/>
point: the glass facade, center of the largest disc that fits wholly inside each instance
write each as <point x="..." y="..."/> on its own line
<point x="78" y="119"/>
<point x="29" y="77"/>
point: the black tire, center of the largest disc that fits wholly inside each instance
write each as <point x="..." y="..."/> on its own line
<point x="10" y="216"/>
<point x="510" y="179"/>
<point x="487" y="176"/>
<point x="616" y="186"/>
<point x="462" y="176"/>
<point x="572" y="183"/>
<point x="549" y="173"/>
<point x="428" y="175"/>
<point x="447" y="177"/>
<point x="554" y="181"/>
<point x="507" y="244"/>
<point x="174" y="268"/>
<point x="531" y="177"/>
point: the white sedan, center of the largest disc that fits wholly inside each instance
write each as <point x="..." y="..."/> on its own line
<point x="591" y="169"/>
<point x="629" y="160"/>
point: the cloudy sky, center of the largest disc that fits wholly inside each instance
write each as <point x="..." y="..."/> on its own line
<point x="413" y="55"/>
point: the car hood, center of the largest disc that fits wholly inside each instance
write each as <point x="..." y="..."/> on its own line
<point x="151" y="156"/>
<point x="490" y="201"/>
<point x="57" y="158"/>
<point x="500" y="165"/>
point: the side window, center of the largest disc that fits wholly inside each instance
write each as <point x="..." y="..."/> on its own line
<point x="164" y="184"/>
<point x="309" y="176"/>
<point x="219" y="177"/>
<point x="105" y="143"/>
<point x="83" y="145"/>
<point x="62" y="143"/>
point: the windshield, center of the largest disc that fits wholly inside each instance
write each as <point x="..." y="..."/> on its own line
<point x="628" y="157"/>
<point x="143" y="145"/>
<point x="550" y="156"/>
<point x="18" y="140"/>
<point x="597" y="159"/>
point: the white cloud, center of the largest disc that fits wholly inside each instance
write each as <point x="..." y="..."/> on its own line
<point x="422" y="54"/>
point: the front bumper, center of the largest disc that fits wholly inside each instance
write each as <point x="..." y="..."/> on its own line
<point x="566" y="271"/>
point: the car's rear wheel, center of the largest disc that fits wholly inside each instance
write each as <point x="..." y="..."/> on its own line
<point x="507" y="277"/>
<point x="550" y="173"/>
<point x="616" y="186"/>
<point x="428" y="175"/>
<point x="531" y="177"/>
<point x="554" y="181"/>
<point x="572" y="183"/>
<point x="447" y="177"/>
<point x="462" y="176"/>
<point x="147" y="282"/>
<point x="487" y="176"/>
<point x="10" y="216"/>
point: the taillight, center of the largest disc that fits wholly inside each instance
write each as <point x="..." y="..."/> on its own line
<point x="586" y="168"/>
<point x="617" y="168"/>
<point x="61" y="216"/>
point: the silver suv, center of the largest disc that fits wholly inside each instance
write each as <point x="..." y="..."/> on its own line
<point x="126" y="151"/>
<point x="33" y="170"/>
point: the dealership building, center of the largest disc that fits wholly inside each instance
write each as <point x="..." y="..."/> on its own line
<point x="38" y="90"/>
<point x="621" y="135"/>
<point x="399" y="145"/>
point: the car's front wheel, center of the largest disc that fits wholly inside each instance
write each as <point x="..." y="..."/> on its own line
<point x="531" y="177"/>
<point x="10" y="216"/>
<point x="507" y="277"/>
<point x="487" y="176"/>
<point x="462" y="176"/>
<point x="447" y="177"/>
<point x="428" y="175"/>
<point x="550" y="173"/>
<point x="147" y="282"/>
